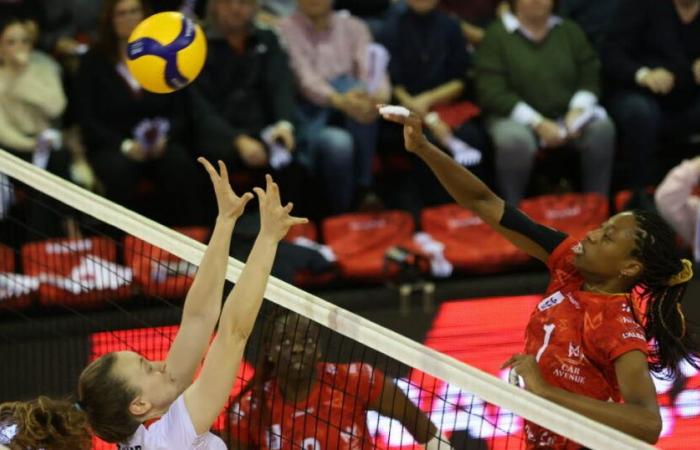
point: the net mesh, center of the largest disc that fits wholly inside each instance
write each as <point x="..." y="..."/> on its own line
<point x="313" y="377"/>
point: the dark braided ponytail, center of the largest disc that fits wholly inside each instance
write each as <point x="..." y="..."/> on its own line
<point x="663" y="283"/>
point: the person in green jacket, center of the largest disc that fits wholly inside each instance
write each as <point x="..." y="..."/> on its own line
<point x="538" y="82"/>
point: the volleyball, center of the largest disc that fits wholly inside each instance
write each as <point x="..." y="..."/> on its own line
<point x="166" y="52"/>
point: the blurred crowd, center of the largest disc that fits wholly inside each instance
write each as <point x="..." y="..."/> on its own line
<point x="520" y="91"/>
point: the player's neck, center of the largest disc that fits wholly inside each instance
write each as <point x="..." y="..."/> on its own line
<point x="609" y="287"/>
<point x="295" y="391"/>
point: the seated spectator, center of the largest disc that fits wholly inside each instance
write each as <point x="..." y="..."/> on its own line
<point x="69" y="26"/>
<point x="652" y="61"/>
<point x="475" y="15"/>
<point x="329" y="56"/>
<point x="248" y="80"/>
<point x="31" y="91"/>
<point x="538" y="82"/>
<point x="133" y="136"/>
<point x="593" y="16"/>
<point x="428" y="69"/>
<point x="31" y="103"/>
<point x="678" y="205"/>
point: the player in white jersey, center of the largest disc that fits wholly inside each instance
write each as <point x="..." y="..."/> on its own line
<point x="122" y="391"/>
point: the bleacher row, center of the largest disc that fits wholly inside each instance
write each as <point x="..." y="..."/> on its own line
<point x="85" y="273"/>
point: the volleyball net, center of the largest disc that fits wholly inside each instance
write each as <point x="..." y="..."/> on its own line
<point x="314" y="376"/>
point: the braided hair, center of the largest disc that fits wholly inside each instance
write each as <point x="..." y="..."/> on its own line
<point x="662" y="290"/>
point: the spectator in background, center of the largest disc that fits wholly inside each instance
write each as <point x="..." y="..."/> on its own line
<point x="428" y="69"/>
<point x="652" y="61"/>
<point x="31" y="96"/>
<point x="678" y="205"/>
<point x="593" y="16"/>
<point x="31" y="103"/>
<point x="475" y="15"/>
<point x="69" y="26"/>
<point x="248" y="80"/>
<point x="132" y="135"/>
<point x="329" y="56"/>
<point x="538" y="81"/>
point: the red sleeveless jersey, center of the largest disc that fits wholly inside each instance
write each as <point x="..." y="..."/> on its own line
<point x="576" y="337"/>
<point x="332" y="417"/>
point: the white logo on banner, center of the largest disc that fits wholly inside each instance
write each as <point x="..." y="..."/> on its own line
<point x="93" y="273"/>
<point x="15" y="285"/>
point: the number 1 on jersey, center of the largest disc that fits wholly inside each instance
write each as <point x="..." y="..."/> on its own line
<point x="548" y="330"/>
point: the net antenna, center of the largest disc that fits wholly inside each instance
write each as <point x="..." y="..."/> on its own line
<point x="491" y="389"/>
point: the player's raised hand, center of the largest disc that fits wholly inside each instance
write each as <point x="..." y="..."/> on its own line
<point x="230" y="205"/>
<point x="413" y="136"/>
<point x="275" y="219"/>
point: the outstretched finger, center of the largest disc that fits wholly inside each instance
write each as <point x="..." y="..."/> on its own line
<point x="246" y="198"/>
<point x="288" y="207"/>
<point x="298" y="220"/>
<point x="208" y="167"/>
<point x="223" y="171"/>
<point x="260" y="193"/>
<point x="272" y="188"/>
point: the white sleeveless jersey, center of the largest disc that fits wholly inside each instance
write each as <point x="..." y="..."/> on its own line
<point x="174" y="431"/>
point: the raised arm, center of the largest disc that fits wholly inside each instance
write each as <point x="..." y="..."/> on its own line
<point x="470" y="192"/>
<point x="203" y="301"/>
<point x="209" y="393"/>
<point x="393" y="403"/>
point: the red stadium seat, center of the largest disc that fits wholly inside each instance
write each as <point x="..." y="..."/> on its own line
<point x="7" y="259"/>
<point x="307" y="230"/>
<point x="157" y="272"/>
<point x="360" y="240"/>
<point x="574" y="214"/>
<point x="77" y="272"/>
<point x="470" y="244"/>
<point x="16" y="291"/>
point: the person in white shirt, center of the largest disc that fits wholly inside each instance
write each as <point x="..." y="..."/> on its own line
<point x="121" y="391"/>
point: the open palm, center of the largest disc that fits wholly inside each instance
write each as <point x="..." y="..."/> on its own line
<point x="230" y="205"/>
<point x="275" y="219"/>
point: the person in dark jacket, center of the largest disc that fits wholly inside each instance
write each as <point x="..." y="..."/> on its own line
<point x="651" y="59"/>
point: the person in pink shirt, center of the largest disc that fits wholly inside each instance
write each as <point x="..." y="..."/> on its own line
<point x="678" y="205"/>
<point x="329" y="54"/>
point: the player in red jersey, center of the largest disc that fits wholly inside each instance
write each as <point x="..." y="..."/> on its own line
<point x="295" y="401"/>
<point x="587" y="342"/>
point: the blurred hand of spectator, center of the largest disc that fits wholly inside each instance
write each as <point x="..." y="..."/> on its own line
<point x="550" y="134"/>
<point x="696" y="70"/>
<point x="134" y="151"/>
<point x="283" y="132"/>
<point x="358" y="105"/>
<point x="66" y="45"/>
<point x="251" y="151"/>
<point x="420" y="103"/>
<point x="570" y="120"/>
<point x="659" y="80"/>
